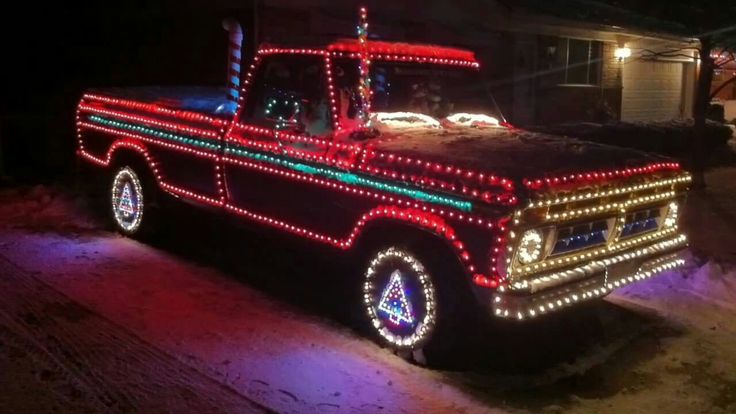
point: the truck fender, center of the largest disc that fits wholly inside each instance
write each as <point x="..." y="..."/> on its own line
<point x="391" y="223"/>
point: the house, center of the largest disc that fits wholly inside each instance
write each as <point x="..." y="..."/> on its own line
<point x="584" y="60"/>
<point x="546" y="62"/>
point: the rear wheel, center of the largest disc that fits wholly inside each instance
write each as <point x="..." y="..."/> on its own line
<point x="129" y="202"/>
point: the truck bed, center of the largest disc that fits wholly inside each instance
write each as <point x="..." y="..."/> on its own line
<point x="204" y="99"/>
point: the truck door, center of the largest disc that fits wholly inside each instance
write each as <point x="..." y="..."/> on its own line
<point x="277" y="152"/>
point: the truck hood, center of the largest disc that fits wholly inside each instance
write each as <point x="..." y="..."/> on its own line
<point x="508" y="152"/>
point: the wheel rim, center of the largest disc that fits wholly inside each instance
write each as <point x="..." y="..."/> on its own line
<point x="127" y="200"/>
<point x="399" y="298"/>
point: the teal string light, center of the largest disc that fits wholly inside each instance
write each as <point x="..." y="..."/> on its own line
<point x="354" y="179"/>
<point x="342" y="176"/>
<point x="183" y="139"/>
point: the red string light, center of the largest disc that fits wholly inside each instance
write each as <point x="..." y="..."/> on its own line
<point x="150" y="121"/>
<point x="540" y="183"/>
<point x="439" y="168"/>
<point x="417" y="214"/>
<point x="128" y="145"/>
<point x="162" y="143"/>
<point x="331" y="92"/>
<point x="156" y="109"/>
<point x="401" y="52"/>
<point x="395" y="51"/>
<point x="360" y="191"/>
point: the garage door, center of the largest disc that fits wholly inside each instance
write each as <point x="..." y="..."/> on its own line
<point x="652" y="91"/>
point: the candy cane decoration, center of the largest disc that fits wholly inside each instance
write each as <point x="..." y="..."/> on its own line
<point x="235" y="33"/>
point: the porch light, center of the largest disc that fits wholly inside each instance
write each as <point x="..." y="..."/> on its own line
<point x="622" y="53"/>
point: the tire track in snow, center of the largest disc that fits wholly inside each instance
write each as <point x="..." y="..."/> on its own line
<point x="54" y="385"/>
<point x="114" y="370"/>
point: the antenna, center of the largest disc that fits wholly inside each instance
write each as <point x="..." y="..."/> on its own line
<point x="364" y="85"/>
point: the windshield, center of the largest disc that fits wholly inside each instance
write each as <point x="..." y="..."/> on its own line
<point x="419" y="93"/>
<point x="437" y="91"/>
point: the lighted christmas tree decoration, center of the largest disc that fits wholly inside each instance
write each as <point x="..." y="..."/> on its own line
<point x="394" y="302"/>
<point x="401" y="319"/>
<point x="126" y="203"/>
<point x="127" y="200"/>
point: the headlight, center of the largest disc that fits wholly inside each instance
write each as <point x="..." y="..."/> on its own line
<point x="530" y="247"/>
<point x="670" y="220"/>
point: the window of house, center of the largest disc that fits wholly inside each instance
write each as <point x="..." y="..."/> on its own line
<point x="565" y="61"/>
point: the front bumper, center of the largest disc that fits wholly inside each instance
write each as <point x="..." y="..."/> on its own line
<point x="554" y="291"/>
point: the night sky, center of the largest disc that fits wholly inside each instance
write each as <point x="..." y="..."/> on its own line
<point x="54" y="52"/>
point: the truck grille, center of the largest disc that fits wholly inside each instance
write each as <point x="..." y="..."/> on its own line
<point x="581" y="236"/>
<point x="591" y="222"/>
<point x="640" y="222"/>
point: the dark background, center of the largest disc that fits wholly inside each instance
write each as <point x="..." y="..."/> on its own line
<point x="52" y="53"/>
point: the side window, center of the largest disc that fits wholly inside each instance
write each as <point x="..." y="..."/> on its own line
<point x="290" y="94"/>
<point x="565" y="61"/>
<point x="346" y="76"/>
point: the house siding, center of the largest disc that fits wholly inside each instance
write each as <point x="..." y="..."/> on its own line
<point x="611" y="68"/>
<point x="657" y="89"/>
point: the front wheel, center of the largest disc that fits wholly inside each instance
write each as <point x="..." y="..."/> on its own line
<point x="416" y="304"/>
<point x="129" y="205"/>
<point x="399" y="298"/>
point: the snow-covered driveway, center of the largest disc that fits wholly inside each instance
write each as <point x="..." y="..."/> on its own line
<point x="201" y="323"/>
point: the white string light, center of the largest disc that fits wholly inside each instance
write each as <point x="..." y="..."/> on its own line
<point x="405" y="120"/>
<point x="371" y="299"/>
<point x="528" y="309"/>
<point x="530" y="247"/>
<point x="467" y="119"/>
<point x="127" y="208"/>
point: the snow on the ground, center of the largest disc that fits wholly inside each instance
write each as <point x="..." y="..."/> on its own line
<point x="661" y="345"/>
<point x="264" y="349"/>
<point x="43" y="208"/>
<point x="80" y="362"/>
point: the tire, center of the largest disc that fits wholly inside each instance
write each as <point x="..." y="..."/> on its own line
<point x="131" y="199"/>
<point x="416" y="305"/>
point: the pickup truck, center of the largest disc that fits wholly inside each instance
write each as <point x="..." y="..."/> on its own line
<point x="449" y="210"/>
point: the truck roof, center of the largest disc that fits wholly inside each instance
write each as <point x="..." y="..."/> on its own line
<point x="406" y="49"/>
<point x="388" y="50"/>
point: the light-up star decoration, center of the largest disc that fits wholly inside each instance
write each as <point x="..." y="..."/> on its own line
<point x="394" y="302"/>
<point x="126" y="202"/>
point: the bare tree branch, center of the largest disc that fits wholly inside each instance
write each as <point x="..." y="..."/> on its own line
<point x="669" y="53"/>
<point x="721" y="64"/>
<point x="722" y="87"/>
<point x="651" y="54"/>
